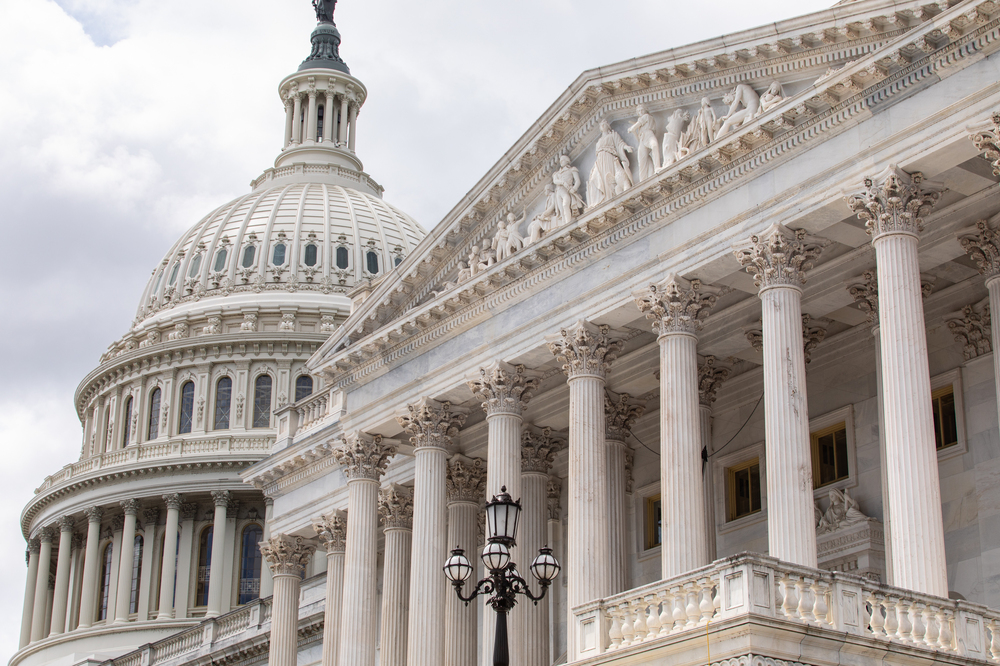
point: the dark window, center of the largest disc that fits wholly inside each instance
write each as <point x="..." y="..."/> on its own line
<point x="319" y="132"/>
<point x="262" y="402"/>
<point x="195" y="266"/>
<point x="220" y="260"/>
<point x="127" y="429"/>
<point x="343" y="257"/>
<point x="829" y="453"/>
<point x="744" y="489"/>
<point x="310" y="255"/>
<point x="278" y="258"/>
<point x="303" y="387"/>
<point x="248" y="254"/>
<point x="397" y="261"/>
<point x="372" y="260"/>
<point x="153" y="429"/>
<point x="654" y="521"/>
<point x="187" y="408"/>
<point x="250" y="562"/>
<point x="102" y="612"/>
<point x="133" y="600"/>
<point x="204" y="567"/>
<point x="173" y="273"/>
<point x="223" y="399"/>
<point x="945" y="420"/>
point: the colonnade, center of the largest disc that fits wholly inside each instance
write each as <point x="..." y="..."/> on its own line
<point x="303" y="121"/>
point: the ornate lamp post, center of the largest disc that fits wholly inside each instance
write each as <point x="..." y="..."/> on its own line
<point x="503" y="581"/>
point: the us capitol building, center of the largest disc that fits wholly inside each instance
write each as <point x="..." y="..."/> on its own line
<point x="720" y="320"/>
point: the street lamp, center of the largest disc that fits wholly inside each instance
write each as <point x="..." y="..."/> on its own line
<point x="502" y="582"/>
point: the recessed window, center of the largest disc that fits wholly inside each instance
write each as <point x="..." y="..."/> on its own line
<point x="654" y="521"/>
<point x="220" y="260"/>
<point x="102" y="611"/>
<point x="187" y="408"/>
<point x="278" y="256"/>
<point x="397" y="261"/>
<point x="249" y="252"/>
<point x="204" y="567"/>
<point x="829" y="455"/>
<point x="153" y="428"/>
<point x="319" y="132"/>
<point x="342" y="258"/>
<point x="372" y="261"/>
<point x="743" y="483"/>
<point x="133" y="600"/>
<point x="311" y="255"/>
<point x="173" y="273"/>
<point x="127" y="430"/>
<point x="303" y="387"/>
<point x="223" y="400"/>
<point x="250" y="563"/>
<point x="195" y="266"/>
<point x="262" y="402"/>
<point x="945" y="417"/>
<point x="159" y="279"/>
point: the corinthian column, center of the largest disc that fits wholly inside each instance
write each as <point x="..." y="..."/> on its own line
<point x="620" y="413"/>
<point x="432" y="425"/>
<point x="778" y="258"/>
<point x="131" y="508"/>
<point x="586" y="352"/>
<point x="891" y="206"/>
<point x="553" y="491"/>
<point x="466" y="486"/>
<point x="982" y="243"/>
<point x="38" y="627"/>
<point x="168" y="567"/>
<point x="331" y="529"/>
<point x="538" y="449"/>
<point x="363" y="459"/>
<point x="395" y="508"/>
<point x="677" y="308"/>
<point x="710" y="376"/>
<point x="287" y="558"/>
<point x="61" y="591"/>
<point x="27" y="610"/>
<point x="218" y="568"/>
<point x="504" y="390"/>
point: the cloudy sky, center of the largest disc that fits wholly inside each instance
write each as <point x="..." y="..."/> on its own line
<point x="122" y="122"/>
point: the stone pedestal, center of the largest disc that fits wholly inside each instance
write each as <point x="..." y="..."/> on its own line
<point x="857" y="549"/>
<point x="287" y="557"/>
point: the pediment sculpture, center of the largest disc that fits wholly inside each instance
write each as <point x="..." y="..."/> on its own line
<point x="843" y="511"/>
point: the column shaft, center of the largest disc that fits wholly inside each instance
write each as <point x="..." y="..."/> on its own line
<point x="352" y="123"/>
<point x="533" y="643"/>
<point x="61" y="590"/>
<point x="288" y="123"/>
<point x="28" y="608"/>
<point x="312" y="118"/>
<point x="169" y="564"/>
<point x="218" y="569"/>
<point x="38" y="628"/>
<point x="329" y="117"/>
<point x="266" y="584"/>
<point x="125" y="569"/>
<point x="334" y="604"/>
<point x="705" y="416"/>
<point x="993" y="284"/>
<point x="342" y="138"/>
<point x="284" y="648"/>
<point x="460" y="620"/>
<point x="91" y="570"/>
<point x="617" y="515"/>
<point x="358" y="618"/>
<point x="297" y="120"/>
<point x="395" y="593"/>
<point x="427" y="583"/>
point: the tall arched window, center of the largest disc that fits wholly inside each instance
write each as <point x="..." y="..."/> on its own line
<point x="343" y="258"/>
<point x="173" y="272"/>
<point x="372" y="260"/>
<point x="249" y="252"/>
<point x="153" y="430"/>
<point x="303" y="387"/>
<point x="187" y="408"/>
<point x="108" y="426"/>
<point x="127" y="428"/>
<point x="204" y="567"/>
<point x="102" y="611"/>
<point x="250" y="561"/>
<point x="311" y="255"/>
<point x="133" y="600"/>
<point x="320" y="112"/>
<point x="220" y="260"/>
<point x="195" y="266"/>
<point x="278" y="256"/>
<point x="223" y="399"/>
<point x="262" y="402"/>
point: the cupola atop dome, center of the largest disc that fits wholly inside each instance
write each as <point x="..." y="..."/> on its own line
<point x="325" y="40"/>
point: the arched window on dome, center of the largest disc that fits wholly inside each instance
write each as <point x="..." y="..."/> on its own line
<point x="371" y="259"/>
<point x="278" y="255"/>
<point x="204" y="566"/>
<point x="250" y="563"/>
<point x="173" y="273"/>
<point x="133" y="600"/>
<point x="195" y="266"/>
<point x="249" y="253"/>
<point x="311" y="254"/>
<point x="187" y="408"/>
<point x="108" y="427"/>
<point x="127" y="427"/>
<point x="153" y="428"/>
<point x="262" y="402"/>
<point x="220" y="260"/>
<point x="343" y="258"/>
<point x="303" y="387"/>
<point x="320" y="112"/>
<point x="223" y="400"/>
<point x="102" y="598"/>
<point x="159" y="279"/>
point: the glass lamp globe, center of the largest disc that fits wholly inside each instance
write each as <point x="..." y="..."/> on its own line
<point x="545" y="567"/>
<point x="457" y="567"/>
<point x="502" y="513"/>
<point x="496" y="556"/>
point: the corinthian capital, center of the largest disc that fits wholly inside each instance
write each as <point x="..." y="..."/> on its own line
<point x="538" y="450"/>
<point x="865" y="294"/>
<point x="222" y="498"/>
<point x="331" y="528"/>
<point x="432" y="423"/>
<point x="988" y="143"/>
<point x="395" y="507"/>
<point x="286" y="554"/>
<point x="131" y="507"/>
<point x="677" y="305"/>
<point x="504" y="388"/>
<point x="711" y="374"/>
<point x="620" y="412"/>
<point x="466" y="480"/>
<point x="778" y="257"/>
<point x="363" y="456"/>
<point x="895" y="202"/>
<point x="813" y="333"/>
<point x="971" y="328"/>
<point x="982" y="244"/>
<point x="94" y="514"/>
<point x="553" y="490"/>
<point x="584" y="349"/>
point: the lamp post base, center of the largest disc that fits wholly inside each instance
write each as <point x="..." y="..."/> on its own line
<point x="501" y="656"/>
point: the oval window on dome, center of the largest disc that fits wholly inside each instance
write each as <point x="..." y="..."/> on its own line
<point x="195" y="266"/>
<point x="248" y="254"/>
<point x="220" y="260"/>
<point x="173" y="273"/>
<point x="372" y="259"/>
<point x="310" y="254"/>
<point x="342" y="258"/>
<point x="278" y="257"/>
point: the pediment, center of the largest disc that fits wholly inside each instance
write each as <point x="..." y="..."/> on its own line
<point x="832" y="69"/>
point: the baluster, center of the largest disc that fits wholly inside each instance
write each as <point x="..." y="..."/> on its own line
<point x="628" y="632"/>
<point x="891" y="623"/>
<point x="805" y="601"/>
<point x="820" y="608"/>
<point x="904" y="630"/>
<point x="917" y="620"/>
<point x="680" y="616"/>
<point x="653" y="620"/>
<point x="945" y="635"/>
<point x="875" y="621"/>
<point x="639" y="626"/>
<point x="933" y="628"/>
<point x="789" y="600"/>
<point x="716" y="596"/>
<point x="615" y="633"/>
<point x="691" y="610"/>
<point x="707" y="607"/>
<point x="994" y="640"/>
<point x="666" y="613"/>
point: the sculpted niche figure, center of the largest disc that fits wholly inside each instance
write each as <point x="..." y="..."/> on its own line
<point x="740" y="95"/>
<point x="648" y="152"/>
<point x="611" y="174"/>
<point x="673" y="150"/>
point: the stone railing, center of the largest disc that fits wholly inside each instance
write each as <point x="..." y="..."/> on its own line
<point x="313" y="410"/>
<point x="150" y="452"/>
<point x="750" y="584"/>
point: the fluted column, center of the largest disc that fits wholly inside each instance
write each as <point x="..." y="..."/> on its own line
<point x="586" y="352"/>
<point x="892" y="206"/>
<point x="63" y="562"/>
<point x="620" y="414"/>
<point x="329" y="115"/>
<point x="538" y="449"/>
<point x="296" y="117"/>
<point x="342" y="135"/>
<point x="352" y="126"/>
<point x="266" y="584"/>
<point x="710" y="376"/>
<point x="331" y="529"/>
<point x="311" y="118"/>
<point x="466" y="488"/>
<point x="982" y="243"/>
<point x="38" y="627"/>
<point x="91" y="567"/>
<point x="432" y="425"/>
<point x="553" y="491"/>
<point x="287" y="557"/>
<point x="218" y="570"/>
<point x="504" y="390"/>
<point x="395" y="508"/>
<point x="289" y="106"/>
<point x="28" y="607"/>
<point x="363" y="459"/>
<point x="168" y="567"/>
<point x="131" y="508"/>
<point x="779" y="258"/>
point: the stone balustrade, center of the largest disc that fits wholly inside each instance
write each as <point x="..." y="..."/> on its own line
<point x="750" y="585"/>
<point x="313" y="409"/>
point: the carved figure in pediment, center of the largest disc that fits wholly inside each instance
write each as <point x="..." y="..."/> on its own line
<point x="701" y="131"/>
<point x="611" y="174"/>
<point x="541" y="223"/>
<point x="507" y="240"/>
<point x="740" y="96"/>
<point x="648" y="152"/>
<point x="673" y="151"/>
<point x="772" y="97"/>
<point x="480" y="260"/>
<point x="568" y="201"/>
<point x="843" y="511"/>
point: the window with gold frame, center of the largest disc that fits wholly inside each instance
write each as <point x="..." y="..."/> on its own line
<point x="830" y="455"/>
<point x="945" y="417"/>
<point x="654" y="521"/>
<point x="743" y="489"/>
